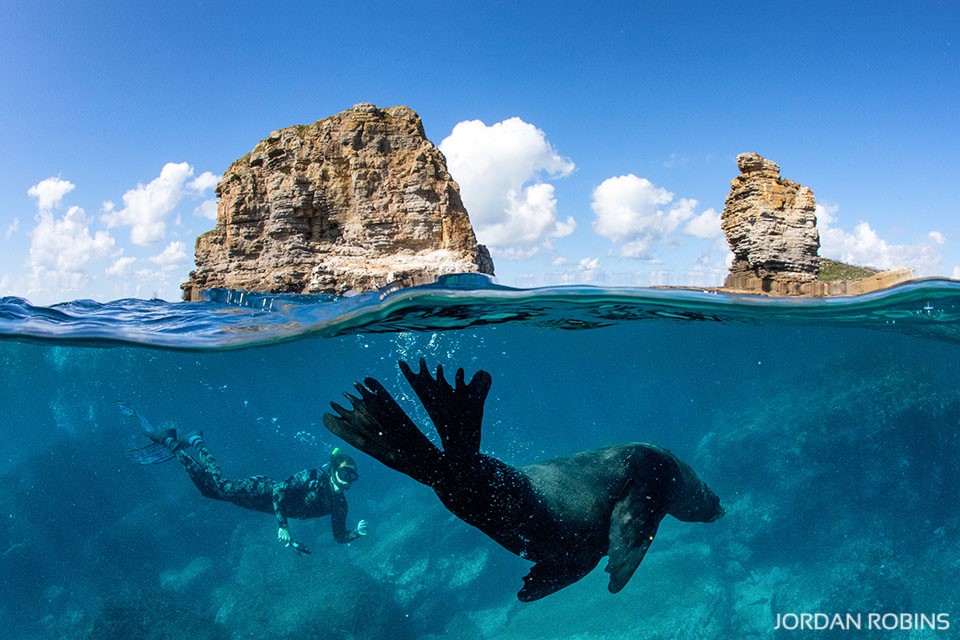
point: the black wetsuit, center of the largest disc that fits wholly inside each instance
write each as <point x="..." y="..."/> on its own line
<point x="305" y="494"/>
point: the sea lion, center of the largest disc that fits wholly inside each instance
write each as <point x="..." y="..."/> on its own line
<point x="563" y="514"/>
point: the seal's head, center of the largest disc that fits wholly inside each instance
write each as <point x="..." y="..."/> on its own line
<point x="712" y="510"/>
<point x="693" y="500"/>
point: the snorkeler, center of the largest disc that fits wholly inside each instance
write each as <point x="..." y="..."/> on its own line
<point x="310" y="493"/>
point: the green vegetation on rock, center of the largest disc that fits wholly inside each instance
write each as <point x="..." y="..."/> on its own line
<point x="831" y="270"/>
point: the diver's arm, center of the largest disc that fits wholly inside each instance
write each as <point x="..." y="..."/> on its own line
<point x="338" y="522"/>
<point x="279" y="494"/>
<point x="280" y="491"/>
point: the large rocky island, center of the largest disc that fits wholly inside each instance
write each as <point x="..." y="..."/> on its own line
<point x="355" y="201"/>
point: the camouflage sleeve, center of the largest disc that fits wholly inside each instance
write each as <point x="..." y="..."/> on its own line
<point x="280" y="491"/>
<point x="338" y="521"/>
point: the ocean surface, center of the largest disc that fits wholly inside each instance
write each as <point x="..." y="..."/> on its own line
<point x="829" y="429"/>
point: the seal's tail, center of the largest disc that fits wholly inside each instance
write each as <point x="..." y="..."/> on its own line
<point x="456" y="412"/>
<point x="378" y="426"/>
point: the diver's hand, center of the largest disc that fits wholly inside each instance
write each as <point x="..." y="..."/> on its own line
<point x="283" y="535"/>
<point x="362" y="528"/>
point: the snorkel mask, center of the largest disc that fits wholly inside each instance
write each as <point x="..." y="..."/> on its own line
<point x="343" y="470"/>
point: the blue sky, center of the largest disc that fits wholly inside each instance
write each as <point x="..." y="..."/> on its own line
<point x="594" y="142"/>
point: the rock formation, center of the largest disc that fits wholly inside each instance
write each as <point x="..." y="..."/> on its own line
<point x="353" y="202"/>
<point x="771" y="226"/>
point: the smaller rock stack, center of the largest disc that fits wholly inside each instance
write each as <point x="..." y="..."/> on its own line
<point x="771" y="226"/>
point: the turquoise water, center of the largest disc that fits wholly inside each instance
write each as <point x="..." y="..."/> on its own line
<point x="827" y="427"/>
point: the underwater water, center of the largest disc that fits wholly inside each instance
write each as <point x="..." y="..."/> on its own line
<point x="829" y="429"/>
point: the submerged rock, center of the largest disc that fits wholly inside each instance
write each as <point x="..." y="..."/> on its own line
<point x="826" y="518"/>
<point x="275" y="593"/>
<point x="352" y="202"/>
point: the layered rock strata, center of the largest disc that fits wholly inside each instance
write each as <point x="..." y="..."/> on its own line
<point x="771" y="226"/>
<point x="356" y="201"/>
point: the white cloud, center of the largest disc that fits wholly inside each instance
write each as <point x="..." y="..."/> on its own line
<point x="632" y="211"/>
<point x="589" y="268"/>
<point x="60" y="249"/>
<point x="146" y="207"/>
<point x="825" y="214"/>
<point x="50" y="192"/>
<point x="73" y="255"/>
<point x="568" y="271"/>
<point x="121" y="267"/>
<point x="207" y="209"/>
<point x="501" y="170"/>
<point x="586" y="270"/>
<point x="203" y="182"/>
<point x="706" y="225"/>
<point x="172" y="256"/>
<point x="863" y="246"/>
<point x="517" y="253"/>
<point x="12" y="229"/>
<point x="712" y="265"/>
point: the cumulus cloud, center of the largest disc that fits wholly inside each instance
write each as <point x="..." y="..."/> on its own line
<point x="172" y="256"/>
<point x="705" y="226"/>
<point x="146" y="207"/>
<point x="636" y="214"/>
<point x="73" y="255"/>
<point x="121" y="267"/>
<point x="586" y="270"/>
<point x="589" y="268"/>
<point x="60" y="249"/>
<point x="207" y="209"/>
<point x="502" y="171"/>
<point x="566" y="271"/>
<point x="864" y="246"/>
<point x="50" y="192"/>
<point x="517" y="253"/>
<point x="203" y="183"/>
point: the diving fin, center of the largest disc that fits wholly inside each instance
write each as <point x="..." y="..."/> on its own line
<point x="153" y="453"/>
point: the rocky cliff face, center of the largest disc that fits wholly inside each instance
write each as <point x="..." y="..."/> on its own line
<point x="770" y="224"/>
<point x="352" y="202"/>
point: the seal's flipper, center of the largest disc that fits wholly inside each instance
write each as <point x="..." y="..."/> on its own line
<point x="456" y="412"/>
<point x="633" y="525"/>
<point x="379" y="427"/>
<point x="549" y="577"/>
